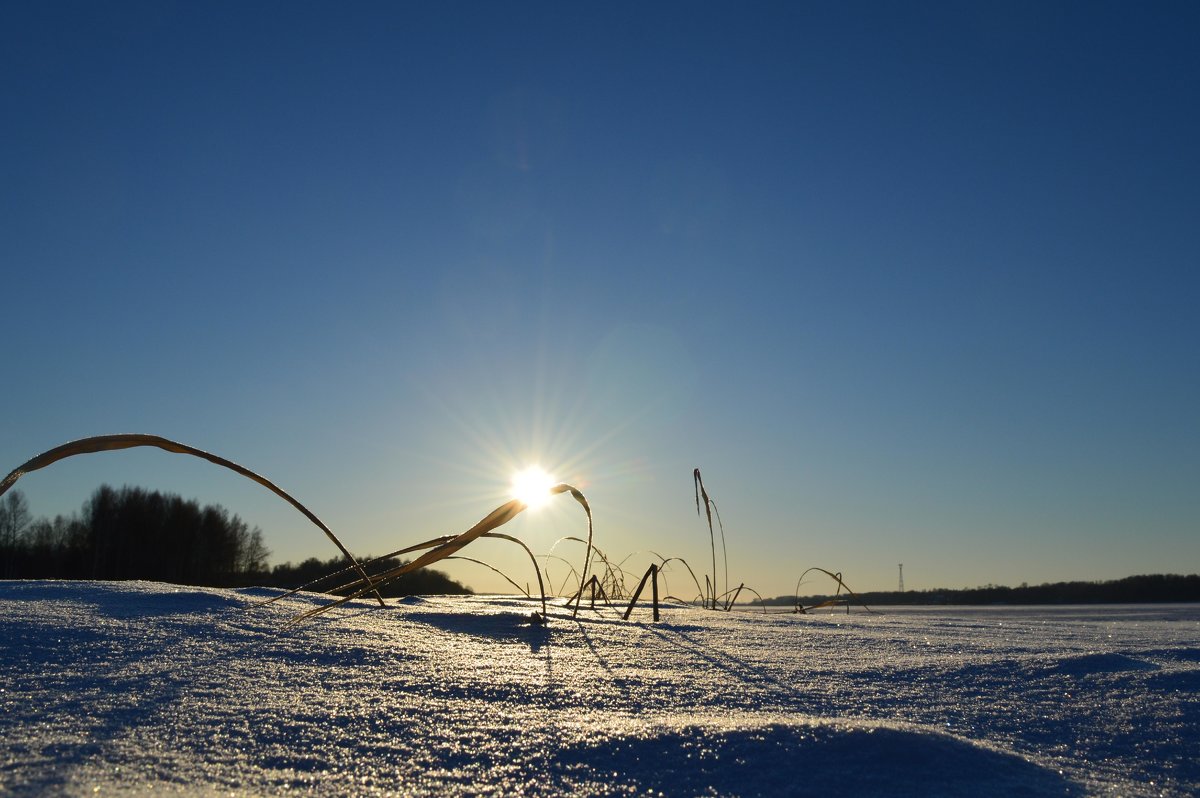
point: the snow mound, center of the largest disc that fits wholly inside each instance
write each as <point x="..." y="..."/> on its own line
<point x="806" y="758"/>
<point x="1088" y="664"/>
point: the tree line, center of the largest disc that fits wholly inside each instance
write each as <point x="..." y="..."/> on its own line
<point x="132" y="533"/>
<point x="1145" y="589"/>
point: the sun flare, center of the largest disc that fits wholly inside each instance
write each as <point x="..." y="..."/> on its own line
<point x="532" y="486"/>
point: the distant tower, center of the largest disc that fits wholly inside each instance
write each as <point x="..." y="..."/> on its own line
<point x="901" y="577"/>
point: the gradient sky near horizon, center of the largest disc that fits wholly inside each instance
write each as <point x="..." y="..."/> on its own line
<point x="909" y="283"/>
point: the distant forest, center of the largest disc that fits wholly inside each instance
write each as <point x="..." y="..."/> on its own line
<point x="132" y="533"/>
<point x="1149" y="589"/>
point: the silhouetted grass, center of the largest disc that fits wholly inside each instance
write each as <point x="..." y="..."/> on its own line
<point x="371" y="576"/>
<point x="614" y="575"/>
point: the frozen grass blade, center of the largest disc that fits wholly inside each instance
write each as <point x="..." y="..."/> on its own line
<point x="108" y="443"/>
<point x="494" y="570"/>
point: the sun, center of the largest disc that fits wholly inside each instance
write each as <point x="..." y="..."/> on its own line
<point x="531" y="486"/>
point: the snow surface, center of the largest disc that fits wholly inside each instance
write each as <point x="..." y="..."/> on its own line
<point x="126" y="687"/>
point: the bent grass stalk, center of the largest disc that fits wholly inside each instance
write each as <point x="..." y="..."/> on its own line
<point x="836" y="577"/>
<point x="595" y="585"/>
<point x="437" y="549"/>
<point x="614" y="575"/>
<point x="494" y="569"/>
<point x="651" y="575"/>
<point x="710" y="509"/>
<point x="108" y="443"/>
<point x="668" y="560"/>
<point x="532" y="560"/>
<point x="583" y="502"/>
<point x="761" y="601"/>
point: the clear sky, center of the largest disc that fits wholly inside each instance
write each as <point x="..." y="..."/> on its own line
<point x="909" y="283"/>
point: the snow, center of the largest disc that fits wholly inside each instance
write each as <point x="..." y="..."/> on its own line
<point x="117" y="688"/>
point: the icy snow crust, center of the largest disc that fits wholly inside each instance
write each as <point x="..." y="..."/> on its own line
<point x="127" y="687"/>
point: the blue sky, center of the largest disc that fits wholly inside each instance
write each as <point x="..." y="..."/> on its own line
<point x="908" y="284"/>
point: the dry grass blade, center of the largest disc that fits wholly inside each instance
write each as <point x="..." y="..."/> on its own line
<point x="367" y="564"/>
<point x="724" y="550"/>
<point x="108" y="443"/>
<point x="532" y="559"/>
<point x="583" y="502"/>
<point x="524" y="592"/>
<point x="667" y="560"/>
<point x="698" y="483"/>
<point x="710" y="509"/>
<point x="836" y="577"/>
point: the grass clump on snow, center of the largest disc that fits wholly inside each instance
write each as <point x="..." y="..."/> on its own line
<point x="369" y="577"/>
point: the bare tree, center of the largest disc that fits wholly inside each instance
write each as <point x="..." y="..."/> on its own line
<point x="254" y="554"/>
<point x="14" y="519"/>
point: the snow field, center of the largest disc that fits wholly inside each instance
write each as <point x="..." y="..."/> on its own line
<point x="120" y="688"/>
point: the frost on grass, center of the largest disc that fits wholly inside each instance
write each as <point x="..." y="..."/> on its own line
<point x="129" y="686"/>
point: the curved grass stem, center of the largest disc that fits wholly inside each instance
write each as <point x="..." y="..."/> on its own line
<point x="108" y="443"/>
